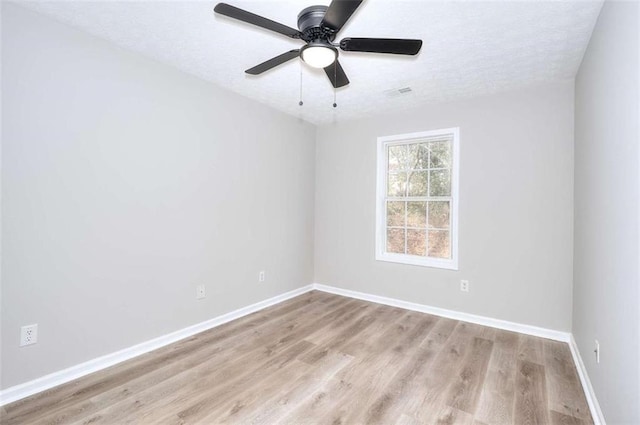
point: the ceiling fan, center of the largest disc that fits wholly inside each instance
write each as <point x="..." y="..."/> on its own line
<point x="318" y="27"/>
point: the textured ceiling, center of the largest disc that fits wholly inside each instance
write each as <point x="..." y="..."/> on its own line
<point x="470" y="48"/>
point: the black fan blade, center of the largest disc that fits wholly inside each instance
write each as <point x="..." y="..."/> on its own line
<point x="396" y="46"/>
<point x="339" y="13"/>
<point x="336" y="75"/>
<point x="273" y="62"/>
<point x="251" y="18"/>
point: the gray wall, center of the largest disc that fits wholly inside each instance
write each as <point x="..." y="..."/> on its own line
<point x="606" y="281"/>
<point x="125" y="184"/>
<point x="516" y="203"/>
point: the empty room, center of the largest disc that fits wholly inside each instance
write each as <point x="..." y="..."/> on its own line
<point x="349" y="212"/>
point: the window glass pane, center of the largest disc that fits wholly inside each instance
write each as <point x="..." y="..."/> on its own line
<point x="439" y="183"/>
<point x="418" y="156"/>
<point x="423" y="156"/>
<point x="397" y="157"/>
<point x="416" y="242"/>
<point x="397" y="184"/>
<point x="395" y="213"/>
<point x="418" y="183"/>
<point x="395" y="241"/>
<point x="416" y="214"/>
<point x="439" y="245"/>
<point x="440" y="155"/>
<point x="412" y="154"/>
<point x="439" y="215"/>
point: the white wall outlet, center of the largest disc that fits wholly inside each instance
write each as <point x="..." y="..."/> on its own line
<point x="28" y="335"/>
<point x="597" y="351"/>
<point x="200" y="292"/>
<point x="464" y="285"/>
<point x="261" y="276"/>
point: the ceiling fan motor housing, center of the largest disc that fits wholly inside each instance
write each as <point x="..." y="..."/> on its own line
<point x="309" y="21"/>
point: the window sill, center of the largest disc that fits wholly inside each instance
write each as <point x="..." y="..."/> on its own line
<point x="418" y="261"/>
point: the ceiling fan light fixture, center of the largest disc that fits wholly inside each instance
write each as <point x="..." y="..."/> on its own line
<point x="318" y="55"/>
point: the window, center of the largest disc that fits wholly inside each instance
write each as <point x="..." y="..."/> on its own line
<point x="417" y="202"/>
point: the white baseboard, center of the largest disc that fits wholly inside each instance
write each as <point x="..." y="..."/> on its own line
<point x="596" y="413"/>
<point x="451" y="314"/>
<point x="46" y="382"/>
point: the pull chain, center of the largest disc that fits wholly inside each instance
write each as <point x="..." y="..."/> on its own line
<point x="300" y="103"/>
<point x="335" y="79"/>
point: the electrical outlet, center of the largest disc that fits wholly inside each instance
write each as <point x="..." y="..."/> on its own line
<point x="28" y="335"/>
<point x="597" y="351"/>
<point x="261" y="276"/>
<point x="464" y="285"/>
<point x="200" y="292"/>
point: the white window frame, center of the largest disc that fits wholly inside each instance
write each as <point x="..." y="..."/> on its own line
<point x="381" y="191"/>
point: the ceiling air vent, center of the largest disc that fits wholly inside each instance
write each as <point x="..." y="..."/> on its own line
<point x="398" y="92"/>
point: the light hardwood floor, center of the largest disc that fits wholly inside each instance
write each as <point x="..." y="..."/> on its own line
<point x="326" y="359"/>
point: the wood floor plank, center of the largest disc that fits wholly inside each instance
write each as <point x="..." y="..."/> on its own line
<point x="406" y="389"/>
<point x="530" y="349"/>
<point x="448" y="415"/>
<point x="321" y="358"/>
<point x="264" y="405"/>
<point x="498" y="392"/>
<point x="464" y="390"/>
<point x="447" y="364"/>
<point x="530" y="405"/>
<point x="440" y="334"/>
<point x="323" y="399"/>
<point x="558" y="418"/>
<point x="407" y="357"/>
<point x="341" y="335"/>
<point x="563" y="383"/>
<point x="331" y="402"/>
<point x="358" y="309"/>
<point x="363" y="343"/>
<point x="296" y="395"/>
<point x="248" y="399"/>
<point x="407" y="420"/>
